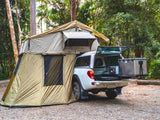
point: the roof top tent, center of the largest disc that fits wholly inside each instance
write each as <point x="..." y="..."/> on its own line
<point x="73" y="37"/>
<point x="43" y="74"/>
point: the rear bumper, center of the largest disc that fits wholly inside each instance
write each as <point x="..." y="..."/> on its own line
<point x="110" y="84"/>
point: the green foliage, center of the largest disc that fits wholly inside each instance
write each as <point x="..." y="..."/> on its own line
<point x="154" y="69"/>
<point x="24" y="12"/>
<point x="6" y="52"/>
<point x="84" y="12"/>
<point x="4" y="76"/>
<point x="128" y="22"/>
<point x="53" y="12"/>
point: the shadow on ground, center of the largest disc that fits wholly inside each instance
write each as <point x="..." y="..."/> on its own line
<point x="99" y="99"/>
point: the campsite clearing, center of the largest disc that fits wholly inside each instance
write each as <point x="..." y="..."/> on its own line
<point x="138" y="102"/>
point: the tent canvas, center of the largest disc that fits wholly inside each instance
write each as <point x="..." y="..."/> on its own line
<point x="43" y="74"/>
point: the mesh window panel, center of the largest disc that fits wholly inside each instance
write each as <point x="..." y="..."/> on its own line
<point x="53" y="70"/>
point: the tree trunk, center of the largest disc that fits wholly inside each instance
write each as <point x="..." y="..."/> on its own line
<point x="138" y="52"/>
<point x="13" y="38"/>
<point x="2" y="65"/>
<point x="119" y="41"/>
<point x="9" y="55"/>
<point x="19" y="28"/>
<point x="33" y="17"/>
<point x="73" y="9"/>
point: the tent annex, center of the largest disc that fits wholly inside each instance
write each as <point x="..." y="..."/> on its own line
<point x="43" y="74"/>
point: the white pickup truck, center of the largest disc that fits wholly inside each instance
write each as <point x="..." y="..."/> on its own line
<point x="98" y="71"/>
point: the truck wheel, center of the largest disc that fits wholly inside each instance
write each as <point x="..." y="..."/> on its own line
<point x="111" y="94"/>
<point x="77" y="90"/>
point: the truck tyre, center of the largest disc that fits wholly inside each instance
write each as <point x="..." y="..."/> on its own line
<point x="111" y="94"/>
<point x="77" y="90"/>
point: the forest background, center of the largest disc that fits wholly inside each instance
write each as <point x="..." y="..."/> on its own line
<point x="134" y="23"/>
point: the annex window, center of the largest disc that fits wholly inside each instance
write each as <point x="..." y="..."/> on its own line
<point x="83" y="61"/>
<point x="53" y="70"/>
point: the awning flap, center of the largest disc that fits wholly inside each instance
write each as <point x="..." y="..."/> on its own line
<point x="78" y="35"/>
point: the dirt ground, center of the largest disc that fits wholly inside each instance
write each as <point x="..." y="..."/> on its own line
<point x="138" y="102"/>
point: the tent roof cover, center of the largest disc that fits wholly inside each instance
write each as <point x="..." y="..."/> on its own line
<point x="73" y="24"/>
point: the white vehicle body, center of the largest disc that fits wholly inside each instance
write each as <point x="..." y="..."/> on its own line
<point x="88" y="83"/>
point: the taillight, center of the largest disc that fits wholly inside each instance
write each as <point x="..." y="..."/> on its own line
<point x="90" y="74"/>
<point x="93" y="83"/>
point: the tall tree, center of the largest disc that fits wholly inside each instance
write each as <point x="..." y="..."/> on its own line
<point x="73" y="9"/>
<point x="33" y="17"/>
<point x="19" y="27"/>
<point x="13" y="38"/>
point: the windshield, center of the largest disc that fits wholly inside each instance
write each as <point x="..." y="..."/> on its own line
<point x="108" y="50"/>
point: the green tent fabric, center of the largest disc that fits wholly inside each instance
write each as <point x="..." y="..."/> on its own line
<point x="28" y="87"/>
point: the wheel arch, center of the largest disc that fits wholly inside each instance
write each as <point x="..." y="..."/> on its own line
<point x="76" y="79"/>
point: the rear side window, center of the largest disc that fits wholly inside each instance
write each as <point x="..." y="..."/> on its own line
<point x="83" y="61"/>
